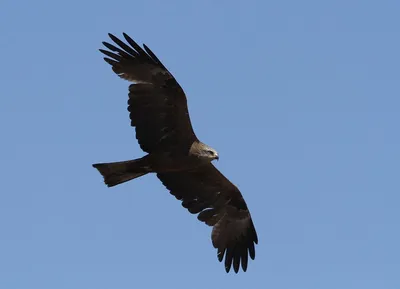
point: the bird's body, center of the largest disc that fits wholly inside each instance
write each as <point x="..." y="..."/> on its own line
<point x="159" y="113"/>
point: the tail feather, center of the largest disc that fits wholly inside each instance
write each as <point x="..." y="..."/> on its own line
<point x="121" y="172"/>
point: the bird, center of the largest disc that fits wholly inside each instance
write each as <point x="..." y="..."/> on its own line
<point x="159" y="113"/>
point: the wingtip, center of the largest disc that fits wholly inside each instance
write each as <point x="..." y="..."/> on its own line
<point x="255" y="237"/>
<point x="113" y="37"/>
<point x="244" y="268"/>
<point x="148" y="50"/>
<point x="235" y="269"/>
<point x="126" y="36"/>
<point x="220" y="256"/>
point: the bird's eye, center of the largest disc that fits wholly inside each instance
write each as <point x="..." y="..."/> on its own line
<point x="211" y="152"/>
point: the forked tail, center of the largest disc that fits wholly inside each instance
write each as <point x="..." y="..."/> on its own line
<point x="121" y="172"/>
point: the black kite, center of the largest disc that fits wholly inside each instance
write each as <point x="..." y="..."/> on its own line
<point x="158" y="111"/>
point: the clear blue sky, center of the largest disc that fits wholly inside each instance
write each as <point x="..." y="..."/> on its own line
<point x="300" y="98"/>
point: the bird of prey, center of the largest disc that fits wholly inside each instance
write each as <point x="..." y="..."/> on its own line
<point x="158" y="110"/>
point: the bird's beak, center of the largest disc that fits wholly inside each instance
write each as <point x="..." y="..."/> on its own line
<point x="217" y="157"/>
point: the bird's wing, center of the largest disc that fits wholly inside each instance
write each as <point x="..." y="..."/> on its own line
<point x="157" y="103"/>
<point x="220" y="204"/>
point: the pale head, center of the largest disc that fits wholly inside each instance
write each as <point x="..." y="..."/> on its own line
<point x="204" y="152"/>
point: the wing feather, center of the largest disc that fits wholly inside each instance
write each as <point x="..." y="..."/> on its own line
<point x="207" y="192"/>
<point x="157" y="104"/>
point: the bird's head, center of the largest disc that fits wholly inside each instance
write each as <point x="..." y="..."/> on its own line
<point x="204" y="152"/>
<point x="209" y="153"/>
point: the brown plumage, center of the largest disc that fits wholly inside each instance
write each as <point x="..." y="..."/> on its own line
<point x="158" y="111"/>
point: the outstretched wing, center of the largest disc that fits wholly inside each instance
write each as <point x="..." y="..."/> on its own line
<point x="157" y="104"/>
<point x="220" y="204"/>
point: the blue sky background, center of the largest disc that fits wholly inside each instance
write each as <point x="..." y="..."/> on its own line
<point x="300" y="98"/>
